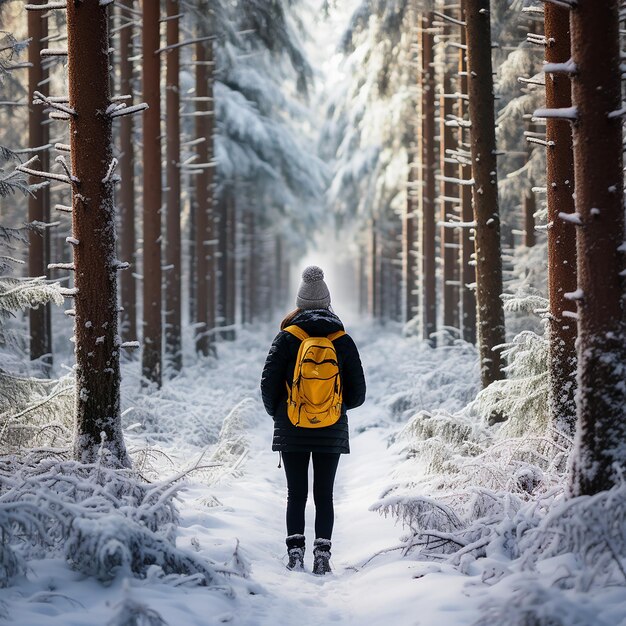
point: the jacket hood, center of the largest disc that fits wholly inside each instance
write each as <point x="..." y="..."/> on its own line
<point x="318" y="322"/>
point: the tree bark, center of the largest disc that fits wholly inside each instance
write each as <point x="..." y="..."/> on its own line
<point x="599" y="455"/>
<point x="126" y="194"/>
<point x="448" y="236"/>
<point x="468" y="273"/>
<point x="39" y="203"/>
<point x="231" y="268"/>
<point x="192" y="281"/>
<point x="409" y="274"/>
<point x="173" y="340"/>
<point x="429" y="165"/>
<point x="205" y="220"/>
<point x="561" y="235"/>
<point x="411" y="211"/>
<point x="152" y="197"/>
<point x="485" y="190"/>
<point x="98" y="418"/>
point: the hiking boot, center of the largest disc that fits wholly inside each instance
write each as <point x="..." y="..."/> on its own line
<point x="295" y="552"/>
<point x="321" y="557"/>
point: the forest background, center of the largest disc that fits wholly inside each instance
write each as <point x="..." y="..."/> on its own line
<point x="457" y="167"/>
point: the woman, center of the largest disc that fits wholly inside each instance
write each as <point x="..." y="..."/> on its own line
<point x="297" y="444"/>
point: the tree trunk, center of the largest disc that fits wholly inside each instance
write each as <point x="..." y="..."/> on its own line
<point x="191" y="248"/>
<point x="152" y="332"/>
<point x="429" y="165"/>
<point x="173" y="340"/>
<point x="485" y="190"/>
<point x="409" y="278"/>
<point x="599" y="455"/>
<point x="98" y="417"/>
<point x="231" y="267"/>
<point x="244" y="273"/>
<point x="205" y="226"/>
<point x="561" y="235"/>
<point x="468" y="274"/>
<point x="39" y="203"/>
<point x="126" y="193"/>
<point x="448" y="236"/>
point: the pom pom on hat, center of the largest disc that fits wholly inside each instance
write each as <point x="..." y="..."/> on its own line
<point x="312" y="273"/>
<point x="313" y="292"/>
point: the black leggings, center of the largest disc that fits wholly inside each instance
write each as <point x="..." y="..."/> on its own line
<point x="297" y="472"/>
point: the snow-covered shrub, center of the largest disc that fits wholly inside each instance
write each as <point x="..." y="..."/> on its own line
<point x="111" y="545"/>
<point x="131" y="612"/>
<point x="593" y="529"/>
<point x="11" y="565"/>
<point x="532" y="603"/>
<point x="437" y="438"/>
<point x="35" y="412"/>
<point x="520" y="400"/>
<point x="105" y="522"/>
<point x="29" y="406"/>
<point x="453" y="525"/>
<point x="233" y="443"/>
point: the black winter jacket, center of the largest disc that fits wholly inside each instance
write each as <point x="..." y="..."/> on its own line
<point x="279" y="367"/>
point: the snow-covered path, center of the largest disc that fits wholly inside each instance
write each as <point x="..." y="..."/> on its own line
<point x="252" y="510"/>
<point x="246" y="506"/>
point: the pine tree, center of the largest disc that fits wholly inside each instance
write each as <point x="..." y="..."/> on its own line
<point x="485" y="190"/>
<point x="205" y="250"/>
<point x="561" y="234"/>
<point x="39" y="202"/>
<point x="126" y="193"/>
<point x="98" y="418"/>
<point x="173" y="274"/>
<point x="152" y="196"/>
<point x="599" y="455"/>
<point x="467" y="272"/>
<point x="448" y="235"/>
<point x="429" y="166"/>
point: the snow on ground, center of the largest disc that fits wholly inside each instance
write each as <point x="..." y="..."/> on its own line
<point x="233" y="512"/>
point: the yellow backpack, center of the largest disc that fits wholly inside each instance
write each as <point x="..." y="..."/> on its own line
<point x="315" y="395"/>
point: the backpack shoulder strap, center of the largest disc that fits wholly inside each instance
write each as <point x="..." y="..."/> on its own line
<point x="296" y="331"/>
<point x="336" y="335"/>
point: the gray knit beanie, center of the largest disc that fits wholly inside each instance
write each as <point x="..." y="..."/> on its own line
<point x="313" y="292"/>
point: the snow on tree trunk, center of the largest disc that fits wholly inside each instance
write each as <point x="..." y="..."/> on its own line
<point x="152" y="197"/>
<point x="409" y="232"/>
<point x="468" y="274"/>
<point x="126" y="192"/>
<point x="38" y="203"/>
<point x="599" y="456"/>
<point x="429" y="166"/>
<point x="98" y="417"/>
<point x="173" y="341"/>
<point x="561" y="235"/>
<point x="230" y="281"/>
<point x="448" y="236"/>
<point x="205" y="220"/>
<point x="485" y="190"/>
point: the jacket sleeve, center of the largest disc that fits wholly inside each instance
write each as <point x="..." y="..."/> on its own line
<point x="275" y="373"/>
<point x="352" y="375"/>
